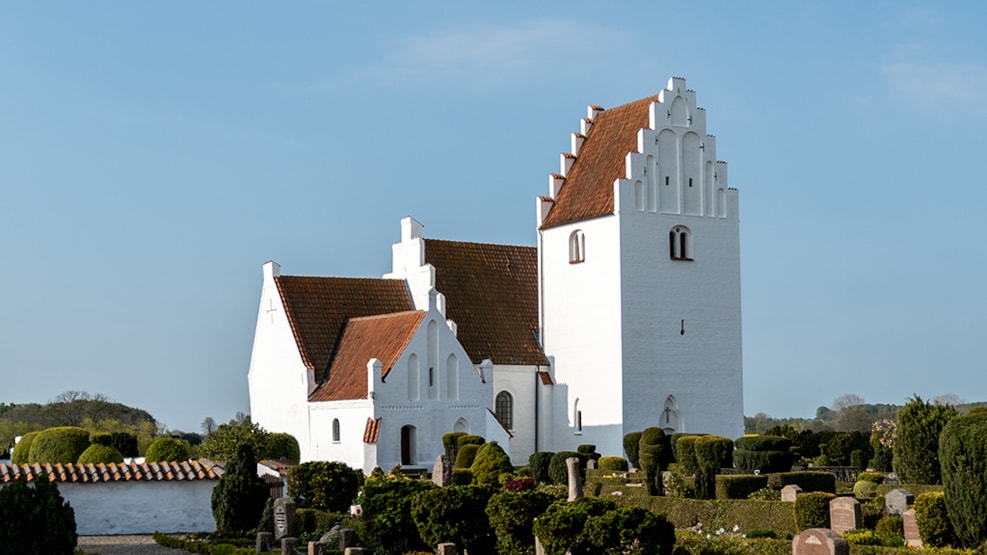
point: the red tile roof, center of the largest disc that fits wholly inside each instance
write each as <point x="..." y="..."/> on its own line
<point x="382" y="337"/>
<point x="160" y="471"/>
<point x="492" y="294"/>
<point x="317" y="307"/>
<point x="372" y="431"/>
<point x="546" y="378"/>
<point x="588" y="189"/>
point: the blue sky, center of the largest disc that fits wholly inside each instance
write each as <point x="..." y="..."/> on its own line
<point x="154" y="155"/>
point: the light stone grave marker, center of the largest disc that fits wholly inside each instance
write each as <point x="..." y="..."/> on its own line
<point x="845" y="515"/>
<point x="912" y="537"/>
<point x="575" y="480"/>
<point x="284" y="517"/>
<point x="316" y="548"/>
<point x="790" y="492"/>
<point x="897" y="501"/>
<point x="819" y="541"/>
<point x="264" y="542"/>
<point x="442" y="471"/>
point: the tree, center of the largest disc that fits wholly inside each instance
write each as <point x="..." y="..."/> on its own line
<point x="222" y="443"/>
<point x="851" y="414"/>
<point x="238" y="499"/>
<point x="327" y="486"/>
<point x="34" y="518"/>
<point x="963" y="453"/>
<point x="208" y="425"/>
<point x="167" y="449"/>
<point x="916" y="443"/>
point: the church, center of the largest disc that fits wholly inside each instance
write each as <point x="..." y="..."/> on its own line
<point x="625" y="315"/>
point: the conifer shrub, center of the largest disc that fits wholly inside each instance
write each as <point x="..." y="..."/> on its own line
<point x="490" y="462"/>
<point x="512" y="516"/>
<point x="932" y="519"/>
<point x="282" y="446"/>
<point x="326" y="486"/>
<point x="469" y="439"/>
<point x="450" y="443"/>
<point x="654" y="455"/>
<point x="613" y="464"/>
<point x="34" y="518"/>
<point x="62" y="444"/>
<point x="588" y="450"/>
<point x="890" y="528"/>
<point x="686" y="453"/>
<point x="557" y="469"/>
<point x="712" y="454"/>
<point x="862" y="489"/>
<point x="764" y="453"/>
<point x="165" y="449"/>
<point x="99" y="453"/>
<point x="963" y="454"/>
<point x="811" y="510"/>
<point x="538" y="463"/>
<point x="808" y="480"/>
<point x="22" y="449"/>
<point x="631" y="442"/>
<point x="466" y="456"/>
<point x="739" y="486"/>
<point x="916" y="443"/>
<point x="238" y="499"/>
<point x="386" y="523"/>
<point x="455" y="514"/>
<point x="124" y="442"/>
<point x="461" y="477"/>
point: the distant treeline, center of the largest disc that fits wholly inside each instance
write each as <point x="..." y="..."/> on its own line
<point x="845" y="416"/>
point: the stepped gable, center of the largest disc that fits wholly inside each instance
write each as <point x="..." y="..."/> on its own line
<point x="491" y="294"/>
<point x="588" y="189"/>
<point x="202" y="469"/>
<point x="382" y="337"/>
<point x="317" y="308"/>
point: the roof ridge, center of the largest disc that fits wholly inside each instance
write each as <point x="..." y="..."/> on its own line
<point x="383" y="316"/>
<point x="479" y="243"/>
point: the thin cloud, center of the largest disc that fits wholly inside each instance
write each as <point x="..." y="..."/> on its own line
<point x="954" y="87"/>
<point x="484" y="55"/>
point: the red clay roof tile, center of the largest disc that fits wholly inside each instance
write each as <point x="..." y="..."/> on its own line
<point x="492" y="294"/>
<point x="382" y="337"/>
<point x="166" y="471"/>
<point x="588" y="189"/>
<point x="372" y="431"/>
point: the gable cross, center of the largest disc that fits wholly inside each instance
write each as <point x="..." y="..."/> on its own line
<point x="668" y="411"/>
<point x="271" y="310"/>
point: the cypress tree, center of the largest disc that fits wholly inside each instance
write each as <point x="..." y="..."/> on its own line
<point x="916" y="443"/>
<point x="239" y="497"/>
<point x="963" y="453"/>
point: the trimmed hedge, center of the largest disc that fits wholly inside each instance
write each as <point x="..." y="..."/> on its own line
<point x="538" y="463"/>
<point x="490" y="462"/>
<point x="691" y="543"/>
<point x="933" y="521"/>
<point x="812" y="510"/>
<point x="763" y="443"/>
<point x="613" y="464"/>
<point x="738" y="486"/>
<point x="765" y="453"/>
<point x="100" y="453"/>
<point x="469" y="439"/>
<point x="22" y="450"/>
<point x="62" y="444"/>
<point x="712" y="454"/>
<point x="631" y="442"/>
<point x="466" y="456"/>
<point x="807" y="480"/>
<point x="167" y="449"/>
<point x="557" y="469"/>
<point x="450" y="443"/>
<point x="685" y="453"/>
<point x="873" y="477"/>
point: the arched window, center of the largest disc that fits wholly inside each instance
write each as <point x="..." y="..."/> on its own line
<point x="577" y="417"/>
<point x="577" y="247"/>
<point x="680" y="243"/>
<point x="335" y="430"/>
<point x="504" y="408"/>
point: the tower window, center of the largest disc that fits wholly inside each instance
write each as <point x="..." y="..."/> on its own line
<point x="577" y="247"/>
<point x="335" y="430"/>
<point x="680" y="243"/>
<point x="504" y="409"/>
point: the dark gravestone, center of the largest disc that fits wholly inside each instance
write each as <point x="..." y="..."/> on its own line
<point x="265" y="540"/>
<point x="820" y="541"/>
<point x="844" y="515"/>
<point x="289" y="546"/>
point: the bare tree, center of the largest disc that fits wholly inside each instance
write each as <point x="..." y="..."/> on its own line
<point x="208" y="425"/>
<point x="846" y="401"/>
<point x="951" y="399"/>
<point x="850" y="414"/>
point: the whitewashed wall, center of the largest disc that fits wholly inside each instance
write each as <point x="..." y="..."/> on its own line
<point x="140" y="507"/>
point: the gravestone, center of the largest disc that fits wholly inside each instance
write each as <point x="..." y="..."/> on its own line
<point x="891" y="479"/>
<point x="539" y="548"/>
<point x="845" y="515"/>
<point x="289" y="546"/>
<point x="912" y="537"/>
<point x="591" y="464"/>
<point x="264" y="542"/>
<point x="353" y="551"/>
<point x="819" y="541"/>
<point x="790" y="492"/>
<point x="575" y="480"/>
<point x="897" y="501"/>
<point x="284" y="517"/>
<point x="316" y="548"/>
<point x="442" y="471"/>
<point x="446" y="549"/>
<point x="347" y="538"/>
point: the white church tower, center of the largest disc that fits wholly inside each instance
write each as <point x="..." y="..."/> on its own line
<point x="639" y="276"/>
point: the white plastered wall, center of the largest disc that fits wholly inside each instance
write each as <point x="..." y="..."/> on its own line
<point x="522" y="383"/>
<point x="140" y="507"/>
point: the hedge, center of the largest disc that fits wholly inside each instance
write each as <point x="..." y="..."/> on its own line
<point x="686" y="513"/>
<point x="691" y="543"/>
<point x="613" y="464"/>
<point x="99" y="453"/>
<point x="22" y="450"/>
<point x="932" y="519"/>
<point x="538" y="463"/>
<point x="467" y="453"/>
<point x="812" y="510"/>
<point x="557" y="469"/>
<point x="685" y="453"/>
<point x="167" y="449"/>
<point x="738" y="486"/>
<point x="63" y="444"/>
<point x="807" y="480"/>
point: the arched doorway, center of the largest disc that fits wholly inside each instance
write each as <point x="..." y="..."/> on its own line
<point x="409" y="454"/>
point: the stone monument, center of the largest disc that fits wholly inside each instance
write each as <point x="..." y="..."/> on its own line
<point x="790" y="492"/>
<point x="845" y="515"/>
<point x="442" y="471"/>
<point x="897" y="501"/>
<point x="575" y="479"/>
<point x="284" y="517"/>
<point x="819" y="541"/>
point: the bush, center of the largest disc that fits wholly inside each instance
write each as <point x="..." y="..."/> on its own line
<point x="765" y="453"/>
<point x="314" y="521"/>
<point x="22" y="449"/>
<point x="455" y="514"/>
<point x="125" y="443"/>
<point x="557" y="469"/>
<point x="765" y="494"/>
<point x="863" y="489"/>
<point x="238" y="499"/>
<point x="62" y="444"/>
<point x="588" y="451"/>
<point x="654" y="454"/>
<point x="685" y="453"/>
<point x="933" y="520"/>
<point x="450" y="444"/>
<point x="631" y="442"/>
<point x="862" y="537"/>
<point x="812" y="510"/>
<point x="739" y="486"/>
<point x="282" y="446"/>
<point x="890" y="528"/>
<point x="873" y="477"/>
<point x="386" y="522"/>
<point x="99" y="453"/>
<point x="807" y="480"/>
<point x="538" y="463"/>
<point x="712" y="454"/>
<point x="491" y="461"/>
<point x="327" y="486"/>
<point x="468" y="439"/>
<point x="593" y="525"/>
<point x="520" y="485"/>
<point x="916" y="441"/>
<point x="100" y="438"/>
<point x="461" y="477"/>
<point x="466" y="456"/>
<point x="691" y="543"/>
<point x="613" y="464"/>
<point x="963" y="454"/>
<point x="512" y="515"/>
<point x="166" y="449"/>
<point x="34" y="518"/>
